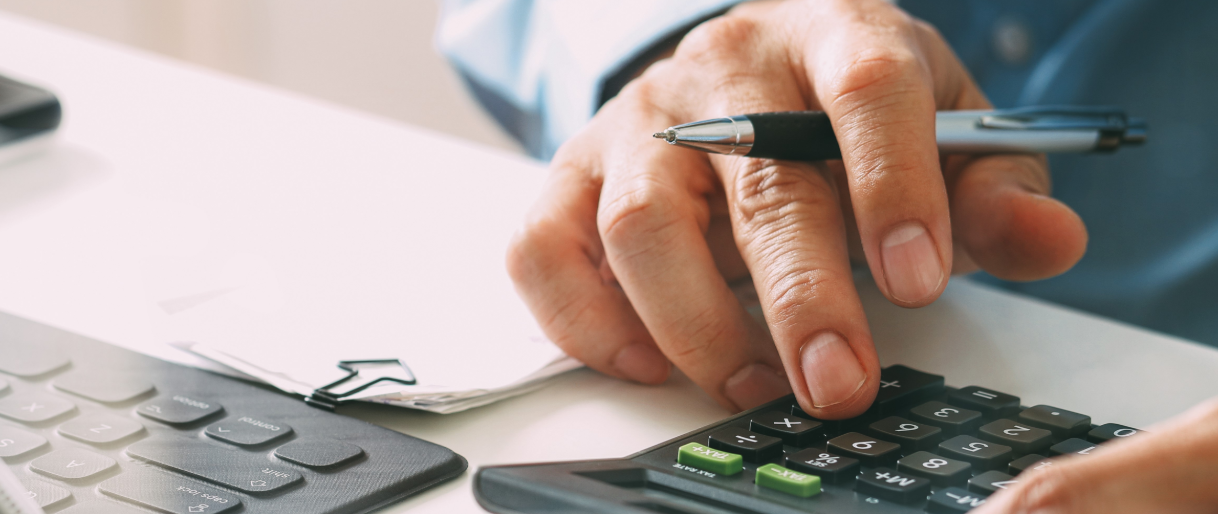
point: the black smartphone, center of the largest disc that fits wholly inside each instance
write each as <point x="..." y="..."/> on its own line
<point x="28" y="114"/>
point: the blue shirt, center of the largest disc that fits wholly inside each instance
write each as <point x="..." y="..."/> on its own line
<point x="1152" y="213"/>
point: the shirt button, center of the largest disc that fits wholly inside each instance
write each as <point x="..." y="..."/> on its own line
<point x="1012" y="41"/>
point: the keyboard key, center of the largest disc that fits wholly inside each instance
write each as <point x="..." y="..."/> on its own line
<point x="103" y="387"/>
<point x="27" y="360"/>
<point x="910" y="435"/>
<point x="990" y="403"/>
<point x="752" y="446"/>
<point x="167" y="493"/>
<point x="953" y="500"/>
<point x="15" y="442"/>
<point x="887" y="484"/>
<point x="831" y="468"/>
<point x="991" y="482"/>
<point x="1110" y="431"/>
<point x="868" y="450"/>
<point x="44" y="494"/>
<point x="940" y="471"/>
<point x="34" y="407"/>
<point x="953" y="420"/>
<point x="1021" y="438"/>
<point x="1063" y="423"/>
<point x="318" y="453"/>
<point x="981" y="454"/>
<point x="247" y="431"/>
<point x="178" y="409"/>
<point x="709" y="459"/>
<point x="246" y="472"/>
<point x="778" y="478"/>
<point x="1028" y="462"/>
<point x="1073" y="447"/>
<point x="793" y="430"/>
<point x="100" y="428"/>
<point x="901" y="386"/>
<point x="71" y="464"/>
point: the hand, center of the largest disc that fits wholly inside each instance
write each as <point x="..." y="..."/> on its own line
<point x="1171" y="468"/>
<point x="626" y="259"/>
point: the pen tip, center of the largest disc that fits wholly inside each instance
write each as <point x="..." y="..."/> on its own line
<point x="668" y="135"/>
<point x="658" y="135"/>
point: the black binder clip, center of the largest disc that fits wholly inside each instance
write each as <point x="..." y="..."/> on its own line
<point x="360" y="375"/>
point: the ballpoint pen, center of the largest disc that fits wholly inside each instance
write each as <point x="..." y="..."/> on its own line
<point x="808" y="135"/>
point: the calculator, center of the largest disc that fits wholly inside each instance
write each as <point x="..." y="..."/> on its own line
<point x="921" y="447"/>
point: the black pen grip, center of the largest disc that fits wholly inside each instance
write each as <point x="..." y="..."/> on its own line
<point x="793" y="136"/>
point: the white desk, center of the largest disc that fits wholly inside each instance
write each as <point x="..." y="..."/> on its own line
<point x="158" y="162"/>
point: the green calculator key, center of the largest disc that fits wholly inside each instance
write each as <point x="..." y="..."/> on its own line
<point x="782" y="479"/>
<point x="709" y="459"/>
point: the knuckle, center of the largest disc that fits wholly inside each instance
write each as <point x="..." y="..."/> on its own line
<point x="717" y="39"/>
<point x="769" y="193"/>
<point x="793" y="288"/>
<point x="703" y="335"/>
<point x="522" y="255"/>
<point x="874" y="74"/>
<point x="639" y="218"/>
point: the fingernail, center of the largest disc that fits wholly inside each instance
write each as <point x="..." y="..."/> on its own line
<point x="832" y="371"/>
<point x="911" y="263"/>
<point x="754" y="385"/>
<point x="642" y="363"/>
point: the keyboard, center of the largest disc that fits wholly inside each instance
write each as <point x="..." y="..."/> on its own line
<point x="921" y="447"/>
<point x="91" y="428"/>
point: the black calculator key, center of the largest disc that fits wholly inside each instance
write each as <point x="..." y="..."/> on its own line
<point x="15" y="442"/>
<point x="751" y="446"/>
<point x="888" y="484"/>
<point x="830" y="467"/>
<point x="953" y="500"/>
<point x="990" y="403"/>
<point x="1063" y="423"/>
<point x="831" y="427"/>
<point x="1110" y="431"/>
<point x="27" y="360"/>
<point x="167" y="493"/>
<point x="953" y="420"/>
<point x="1021" y="437"/>
<point x="940" y="471"/>
<point x="1073" y="447"/>
<point x="871" y="451"/>
<point x="100" y="428"/>
<point x="44" y="494"/>
<point x="991" y="482"/>
<point x="792" y="429"/>
<point x="34" y="407"/>
<point x="982" y="455"/>
<point x="103" y="387"/>
<point x="1028" y="462"/>
<point x="244" y="471"/>
<point x="902" y="386"/>
<point x="178" y="409"/>
<point x="910" y="435"/>
<point x="247" y="431"/>
<point x="71" y="464"/>
<point x="318" y="453"/>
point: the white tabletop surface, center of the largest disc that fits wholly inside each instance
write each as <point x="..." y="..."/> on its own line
<point x="163" y="170"/>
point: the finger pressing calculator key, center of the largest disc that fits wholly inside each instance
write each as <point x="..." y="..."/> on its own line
<point x="793" y="430"/>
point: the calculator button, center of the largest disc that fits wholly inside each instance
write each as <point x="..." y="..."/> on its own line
<point x="793" y="430"/>
<point x="830" y="467"/>
<point x="178" y="409"/>
<point x="1063" y="423"/>
<point x="953" y="420"/>
<point x="167" y="493"/>
<point x="709" y="459"/>
<point x="888" y="484"/>
<point x="318" y="453"/>
<point x="752" y="446"/>
<point x="15" y="442"/>
<point x="1073" y="447"/>
<point x="901" y="386"/>
<point x="990" y="403"/>
<point x="939" y="470"/>
<point x="247" y="431"/>
<point x="1028" y="462"/>
<point x="34" y="407"/>
<point x="105" y="388"/>
<point x="991" y="482"/>
<point x="71" y="464"/>
<point x="44" y="494"/>
<point x="27" y="360"/>
<point x="235" y="469"/>
<point x="831" y="427"/>
<point x="100" y="428"/>
<point x="910" y="435"/>
<point x="870" y="451"/>
<point x="1020" y="437"/>
<point x="953" y="500"/>
<point x="778" y="478"/>
<point x="1110" y="431"/>
<point x="981" y="454"/>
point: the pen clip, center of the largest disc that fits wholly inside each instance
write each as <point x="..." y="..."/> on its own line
<point x="1114" y="126"/>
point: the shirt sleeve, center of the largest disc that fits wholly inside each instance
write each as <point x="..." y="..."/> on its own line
<point x="539" y="66"/>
